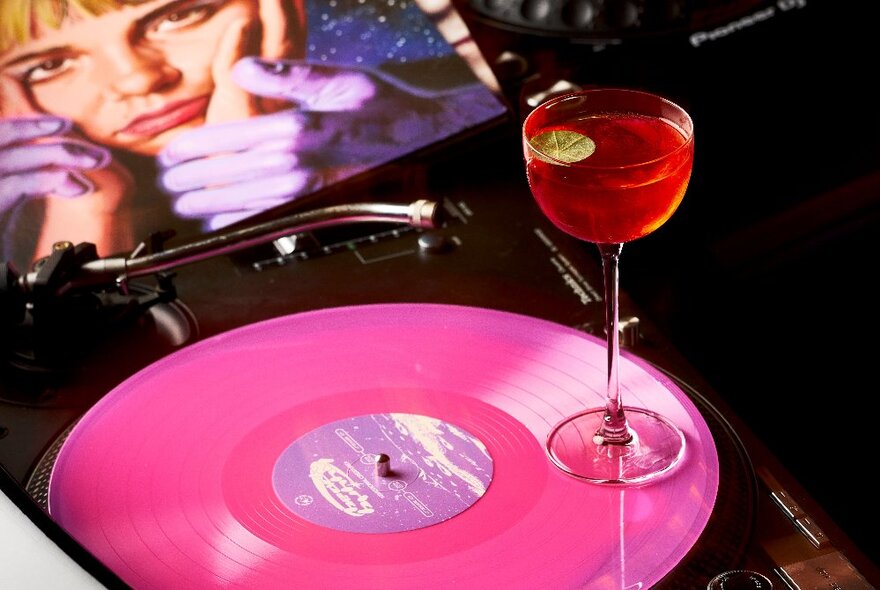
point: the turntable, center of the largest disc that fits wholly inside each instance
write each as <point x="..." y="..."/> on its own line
<point x="367" y="409"/>
<point x="200" y="467"/>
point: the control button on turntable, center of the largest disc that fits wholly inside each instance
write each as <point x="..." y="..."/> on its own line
<point x="830" y="570"/>
<point x="787" y="504"/>
<point x="295" y="244"/>
<point x="812" y="531"/>
<point x="435" y="244"/>
<point x="740" y="580"/>
<point x="510" y="66"/>
<point x="558" y="88"/>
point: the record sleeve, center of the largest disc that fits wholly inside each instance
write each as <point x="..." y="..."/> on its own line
<point x="123" y="119"/>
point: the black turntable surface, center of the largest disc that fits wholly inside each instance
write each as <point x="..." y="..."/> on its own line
<point x="743" y="518"/>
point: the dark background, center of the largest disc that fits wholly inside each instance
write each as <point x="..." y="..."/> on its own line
<point x="765" y="277"/>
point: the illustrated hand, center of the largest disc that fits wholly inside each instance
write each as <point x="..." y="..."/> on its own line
<point x="38" y="159"/>
<point x="279" y="128"/>
<point x="343" y="121"/>
<point x="82" y="192"/>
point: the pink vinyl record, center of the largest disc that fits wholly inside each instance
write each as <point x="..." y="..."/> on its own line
<point x="379" y="446"/>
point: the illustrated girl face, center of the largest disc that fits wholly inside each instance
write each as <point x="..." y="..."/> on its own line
<point x="130" y="76"/>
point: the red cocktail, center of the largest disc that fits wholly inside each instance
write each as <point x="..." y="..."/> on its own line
<point x="631" y="183"/>
<point x="610" y="166"/>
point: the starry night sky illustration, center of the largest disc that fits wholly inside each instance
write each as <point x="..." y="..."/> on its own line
<point x="370" y="32"/>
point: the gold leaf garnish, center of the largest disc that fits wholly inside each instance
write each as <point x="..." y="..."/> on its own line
<point x="565" y="146"/>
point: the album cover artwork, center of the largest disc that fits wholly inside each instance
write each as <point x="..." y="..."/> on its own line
<point x="122" y="118"/>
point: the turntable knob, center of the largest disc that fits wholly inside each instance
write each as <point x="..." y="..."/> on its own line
<point x="740" y="580"/>
<point x="579" y="14"/>
<point x="624" y="15"/>
<point x="435" y="244"/>
<point x="536" y="10"/>
<point x="630" y="336"/>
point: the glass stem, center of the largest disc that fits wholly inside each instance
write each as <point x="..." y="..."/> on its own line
<point x="614" y="429"/>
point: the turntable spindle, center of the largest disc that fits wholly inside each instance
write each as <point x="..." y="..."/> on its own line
<point x="383" y="465"/>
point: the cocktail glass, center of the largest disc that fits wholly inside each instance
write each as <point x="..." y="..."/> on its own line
<point x="609" y="166"/>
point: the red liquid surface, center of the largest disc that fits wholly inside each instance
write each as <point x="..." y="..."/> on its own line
<point x="630" y="185"/>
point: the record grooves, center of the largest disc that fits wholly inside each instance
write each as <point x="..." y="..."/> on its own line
<point x="725" y="539"/>
<point x="178" y="475"/>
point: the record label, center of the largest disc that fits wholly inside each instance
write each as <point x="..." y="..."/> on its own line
<point x="382" y="473"/>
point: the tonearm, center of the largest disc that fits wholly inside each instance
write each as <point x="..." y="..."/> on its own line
<point x="73" y="292"/>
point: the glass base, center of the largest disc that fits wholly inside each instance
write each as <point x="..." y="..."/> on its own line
<point x="655" y="448"/>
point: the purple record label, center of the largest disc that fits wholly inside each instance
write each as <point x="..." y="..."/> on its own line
<point x="382" y="473"/>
